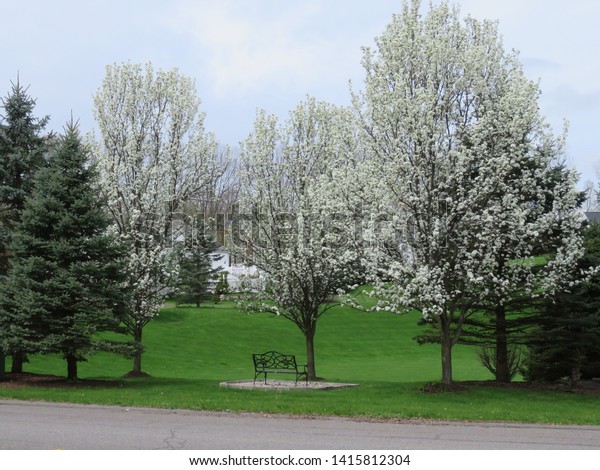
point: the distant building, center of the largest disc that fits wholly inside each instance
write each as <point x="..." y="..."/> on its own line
<point x="593" y="217"/>
<point x="237" y="273"/>
<point x="220" y="259"/>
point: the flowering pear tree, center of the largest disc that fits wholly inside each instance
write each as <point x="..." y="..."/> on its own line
<point x="153" y="156"/>
<point x="291" y="228"/>
<point x="455" y="137"/>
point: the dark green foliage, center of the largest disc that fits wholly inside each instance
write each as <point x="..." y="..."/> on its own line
<point x="221" y="288"/>
<point x="195" y="272"/>
<point x="65" y="283"/>
<point x="566" y="339"/>
<point x="23" y="150"/>
<point x="555" y="179"/>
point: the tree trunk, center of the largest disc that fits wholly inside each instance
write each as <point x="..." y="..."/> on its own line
<point x="2" y="369"/>
<point x="502" y="366"/>
<point x="310" y="355"/>
<point x="137" y="358"/>
<point x="446" y="346"/>
<point x="17" y="362"/>
<point x="71" y="368"/>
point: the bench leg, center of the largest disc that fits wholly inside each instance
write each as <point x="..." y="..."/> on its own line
<point x="305" y="378"/>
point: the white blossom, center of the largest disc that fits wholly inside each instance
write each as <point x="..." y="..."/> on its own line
<point x="153" y="155"/>
<point x="295" y="227"/>
<point x="462" y="156"/>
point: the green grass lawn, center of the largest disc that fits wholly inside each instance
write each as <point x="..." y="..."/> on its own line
<point x="190" y="350"/>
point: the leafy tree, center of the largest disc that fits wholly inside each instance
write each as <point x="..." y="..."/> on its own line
<point x="153" y="156"/>
<point x="509" y="311"/>
<point x="504" y="324"/>
<point x="457" y="142"/>
<point x="565" y="341"/>
<point x="65" y="285"/>
<point x="292" y="230"/>
<point x="23" y="149"/>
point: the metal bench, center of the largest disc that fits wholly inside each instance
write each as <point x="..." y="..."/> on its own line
<point x="273" y="362"/>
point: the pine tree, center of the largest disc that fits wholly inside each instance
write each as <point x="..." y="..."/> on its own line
<point x="565" y="341"/>
<point x="65" y="283"/>
<point x="23" y="150"/>
<point x="195" y="271"/>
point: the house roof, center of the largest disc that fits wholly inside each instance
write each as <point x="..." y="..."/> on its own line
<point x="593" y="217"/>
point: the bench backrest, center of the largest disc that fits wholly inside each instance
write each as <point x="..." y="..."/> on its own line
<point x="274" y="360"/>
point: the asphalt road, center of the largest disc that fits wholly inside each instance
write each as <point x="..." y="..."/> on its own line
<point x="43" y="426"/>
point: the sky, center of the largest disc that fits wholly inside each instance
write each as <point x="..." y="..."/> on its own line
<point x="271" y="54"/>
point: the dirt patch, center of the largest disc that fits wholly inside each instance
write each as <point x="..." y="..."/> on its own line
<point x="437" y="387"/>
<point x="285" y="385"/>
<point x="583" y="386"/>
<point x="136" y="375"/>
<point x="25" y="379"/>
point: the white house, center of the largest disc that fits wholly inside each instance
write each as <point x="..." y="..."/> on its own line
<point x="236" y="273"/>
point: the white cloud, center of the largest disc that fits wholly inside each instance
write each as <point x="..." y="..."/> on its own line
<point x="550" y="31"/>
<point x="243" y="52"/>
<point x="246" y="54"/>
<point x="559" y="44"/>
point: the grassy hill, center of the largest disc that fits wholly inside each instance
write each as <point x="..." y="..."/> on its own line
<point x="215" y="342"/>
<point x="190" y="350"/>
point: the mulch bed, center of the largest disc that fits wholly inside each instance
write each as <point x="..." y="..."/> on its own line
<point x="25" y="379"/>
<point x="583" y="386"/>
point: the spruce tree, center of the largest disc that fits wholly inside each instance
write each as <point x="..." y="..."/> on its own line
<point x="65" y="283"/>
<point x="23" y="148"/>
<point x="22" y="152"/>
<point x="195" y="271"/>
<point x="565" y="339"/>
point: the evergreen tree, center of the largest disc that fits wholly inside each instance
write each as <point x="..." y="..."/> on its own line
<point x="23" y="150"/>
<point x="566" y="339"/>
<point x="65" y="283"/>
<point x="195" y="271"/>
